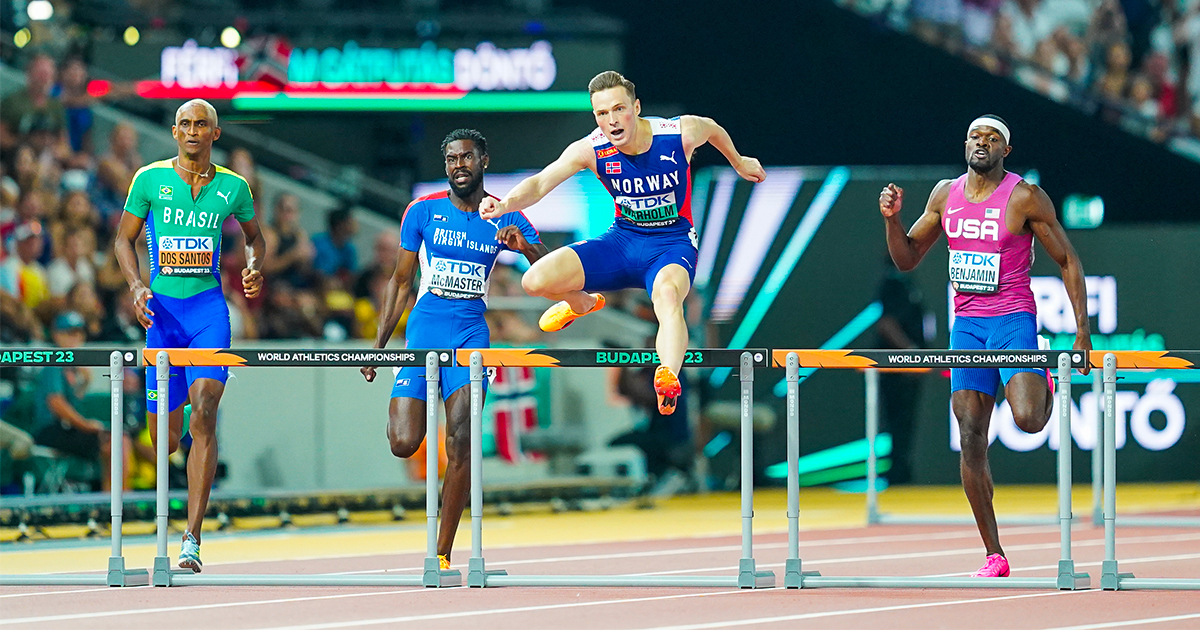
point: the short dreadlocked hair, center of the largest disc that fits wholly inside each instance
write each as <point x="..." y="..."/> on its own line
<point x="466" y="134"/>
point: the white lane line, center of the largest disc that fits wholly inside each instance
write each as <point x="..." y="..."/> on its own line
<point x="81" y="590"/>
<point x="170" y="609"/>
<point x="858" y="611"/>
<point x="1130" y="622"/>
<point x="525" y="609"/>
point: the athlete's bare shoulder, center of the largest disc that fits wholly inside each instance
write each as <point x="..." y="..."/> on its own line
<point x="581" y="154"/>
<point x="939" y="196"/>
<point x="1030" y="201"/>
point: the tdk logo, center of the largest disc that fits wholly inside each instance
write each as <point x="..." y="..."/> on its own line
<point x="460" y="268"/>
<point x="974" y="259"/>
<point x="186" y="243"/>
<point x="643" y="203"/>
<point x="973" y="229"/>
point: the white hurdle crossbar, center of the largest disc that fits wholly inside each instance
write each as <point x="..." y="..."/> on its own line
<point x="748" y="575"/>
<point x="116" y="360"/>
<point x="431" y="576"/>
<point x="795" y="577"/>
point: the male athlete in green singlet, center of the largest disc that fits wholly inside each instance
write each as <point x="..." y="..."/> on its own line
<point x="179" y="205"/>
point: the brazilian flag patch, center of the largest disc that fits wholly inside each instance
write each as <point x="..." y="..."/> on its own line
<point x="166" y="192"/>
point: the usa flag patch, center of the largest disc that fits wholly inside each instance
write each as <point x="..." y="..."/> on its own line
<point x="612" y="168"/>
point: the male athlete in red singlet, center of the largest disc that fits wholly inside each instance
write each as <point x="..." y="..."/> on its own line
<point x="990" y="217"/>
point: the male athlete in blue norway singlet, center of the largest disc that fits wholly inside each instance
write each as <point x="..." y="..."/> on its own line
<point x="643" y="162"/>
<point x="456" y="249"/>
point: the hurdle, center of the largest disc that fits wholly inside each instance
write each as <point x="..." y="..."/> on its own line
<point x="793" y="360"/>
<point x="875" y="516"/>
<point x="1111" y="578"/>
<point x="748" y="575"/>
<point x="431" y="576"/>
<point x="117" y="361"/>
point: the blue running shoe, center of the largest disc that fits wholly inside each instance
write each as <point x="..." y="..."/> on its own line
<point x="189" y="555"/>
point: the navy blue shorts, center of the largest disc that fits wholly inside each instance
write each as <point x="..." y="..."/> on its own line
<point x="1016" y="331"/>
<point x="630" y="257"/>
<point x="440" y="330"/>
<point x="200" y="321"/>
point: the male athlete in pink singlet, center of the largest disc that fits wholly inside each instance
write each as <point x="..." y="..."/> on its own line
<point x="990" y="217"/>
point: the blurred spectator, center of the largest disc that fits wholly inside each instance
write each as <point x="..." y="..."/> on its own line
<point x="115" y="172"/>
<point x="21" y="275"/>
<point x="242" y="163"/>
<point x="75" y="264"/>
<point x="507" y="326"/>
<point x="938" y="22"/>
<point x="77" y="104"/>
<point x="82" y="299"/>
<point x="979" y="21"/>
<point x="336" y="255"/>
<point x="121" y="324"/>
<point x="290" y="313"/>
<point x="372" y="282"/>
<point x="291" y="252"/>
<point x="1113" y="83"/>
<point x="33" y="107"/>
<point x="15" y="441"/>
<point x="60" y="390"/>
<point x="78" y="213"/>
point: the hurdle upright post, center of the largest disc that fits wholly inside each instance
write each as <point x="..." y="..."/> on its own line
<point x="872" y="419"/>
<point x="118" y="575"/>
<point x="433" y="575"/>
<point x="748" y="576"/>
<point x="1068" y="579"/>
<point x="162" y="561"/>
<point x="477" y="573"/>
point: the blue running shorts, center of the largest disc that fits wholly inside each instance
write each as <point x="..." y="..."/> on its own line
<point x="1016" y="331"/>
<point x="200" y="321"/>
<point x="439" y="330"/>
<point x="626" y="257"/>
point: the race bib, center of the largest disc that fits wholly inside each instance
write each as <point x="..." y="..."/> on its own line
<point x="185" y="255"/>
<point x="457" y="279"/>
<point x="975" y="272"/>
<point x="649" y="211"/>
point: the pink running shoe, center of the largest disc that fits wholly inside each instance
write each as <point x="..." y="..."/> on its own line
<point x="996" y="566"/>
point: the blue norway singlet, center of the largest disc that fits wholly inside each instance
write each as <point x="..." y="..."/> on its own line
<point x="650" y="189"/>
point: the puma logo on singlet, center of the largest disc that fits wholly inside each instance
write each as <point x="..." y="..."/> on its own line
<point x="224" y="196"/>
<point x="668" y="158"/>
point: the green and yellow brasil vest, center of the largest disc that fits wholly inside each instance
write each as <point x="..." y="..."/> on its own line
<point x="182" y="234"/>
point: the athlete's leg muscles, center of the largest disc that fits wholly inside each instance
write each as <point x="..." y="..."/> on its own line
<point x="205" y="395"/>
<point x="671" y="286"/>
<point x="559" y="276"/>
<point x="974" y="412"/>
<point x="406" y="426"/>
<point x="457" y="485"/>
<point x="1029" y="397"/>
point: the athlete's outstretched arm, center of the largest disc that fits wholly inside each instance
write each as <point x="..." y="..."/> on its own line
<point x="256" y="253"/>
<point x="698" y="130"/>
<point x="909" y="248"/>
<point x="395" y="298"/>
<point x="576" y="157"/>
<point x="1039" y="213"/>
<point x="128" y="232"/>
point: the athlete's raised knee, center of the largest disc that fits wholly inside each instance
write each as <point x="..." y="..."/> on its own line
<point x="1030" y="420"/>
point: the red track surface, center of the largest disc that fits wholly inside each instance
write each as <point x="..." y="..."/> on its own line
<point x="890" y="550"/>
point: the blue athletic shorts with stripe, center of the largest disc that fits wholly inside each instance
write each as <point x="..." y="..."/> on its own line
<point x="627" y="256"/>
<point x="1016" y="331"/>
<point x="200" y="321"/>
<point x="439" y="328"/>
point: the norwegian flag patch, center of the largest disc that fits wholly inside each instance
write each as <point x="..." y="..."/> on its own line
<point x="612" y="168"/>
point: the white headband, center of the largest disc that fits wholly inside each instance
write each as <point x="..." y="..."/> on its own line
<point x="991" y="122"/>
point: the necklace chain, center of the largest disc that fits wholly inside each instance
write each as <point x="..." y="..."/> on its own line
<point x="204" y="174"/>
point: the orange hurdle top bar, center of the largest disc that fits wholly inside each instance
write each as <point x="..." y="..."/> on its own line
<point x="696" y="357"/>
